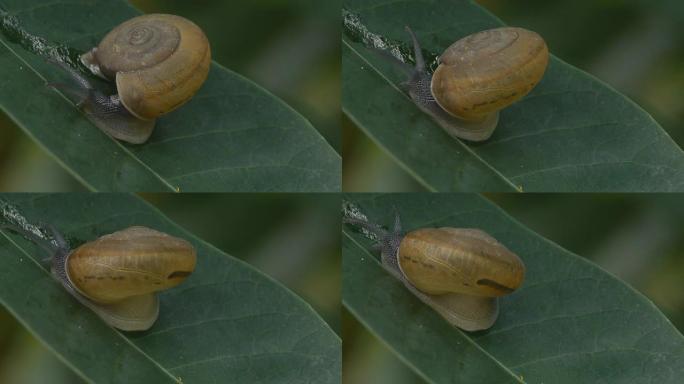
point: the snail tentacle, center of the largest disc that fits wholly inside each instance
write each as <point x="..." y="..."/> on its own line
<point x="420" y="61"/>
<point x="418" y="84"/>
<point x="57" y="236"/>
<point x="59" y="257"/>
<point x="79" y="89"/>
<point x="77" y="77"/>
<point x="397" y="221"/>
<point x="390" y="247"/>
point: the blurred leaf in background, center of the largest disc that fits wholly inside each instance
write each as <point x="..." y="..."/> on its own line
<point x="638" y="238"/>
<point x="295" y="239"/>
<point x="291" y="48"/>
<point x="636" y="46"/>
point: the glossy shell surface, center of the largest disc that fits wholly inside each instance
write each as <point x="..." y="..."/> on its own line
<point x="131" y="262"/>
<point x="489" y="70"/>
<point x="159" y="62"/>
<point x="468" y="261"/>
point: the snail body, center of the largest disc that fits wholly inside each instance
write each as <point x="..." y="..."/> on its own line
<point x="118" y="275"/>
<point x="459" y="272"/>
<point x="158" y="63"/>
<point x="477" y="76"/>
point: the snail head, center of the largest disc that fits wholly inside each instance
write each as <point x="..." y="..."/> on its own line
<point x="107" y="112"/>
<point x="85" y="96"/>
<point x="387" y="241"/>
<point x="59" y="254"/>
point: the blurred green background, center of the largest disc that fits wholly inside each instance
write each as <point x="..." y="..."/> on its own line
<point x="293" y="238"/>
<point x="290" y="47"/>
<point x="639" y="238"/>
<point x="636" y="46"/>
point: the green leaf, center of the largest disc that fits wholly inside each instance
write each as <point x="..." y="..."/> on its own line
<point x="571" y="133"/>
<point x="227" y="321"/>
<point x="232" y="136"/>
<point x="570" y="322"/>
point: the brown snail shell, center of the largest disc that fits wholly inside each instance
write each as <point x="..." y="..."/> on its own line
<point x="479" y="75"/>
<point x="120" y="273"/>
<point x="158" y="61"/>
<point x="460" y="272"/>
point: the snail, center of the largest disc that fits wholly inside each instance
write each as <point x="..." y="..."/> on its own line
<point x="158" y="62"/>
<point x="459" y="272"/>
<point x="117" y="275"/>
<point x="477" y="76"/>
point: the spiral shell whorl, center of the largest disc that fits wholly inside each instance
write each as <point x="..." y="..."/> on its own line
<point x="141" y="34"/>
<point x="137" y="44"/>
